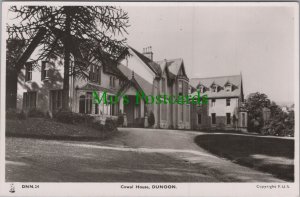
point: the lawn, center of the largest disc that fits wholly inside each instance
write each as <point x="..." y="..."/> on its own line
<point x="44" y="128"/>
<point x="272" y="155"/>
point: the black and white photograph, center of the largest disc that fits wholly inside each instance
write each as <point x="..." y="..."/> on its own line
<point x="149" y="99"/>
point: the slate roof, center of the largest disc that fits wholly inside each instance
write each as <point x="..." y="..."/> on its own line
<point x="172" y="66"/>
<point x="142" y="83"/>
<point x="235" y="80"/>
<point x="109" y="65"/>
<point x="92" y="87"/>
<point x="151" y="64"/>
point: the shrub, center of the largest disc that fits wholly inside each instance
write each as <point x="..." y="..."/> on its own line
<point x="36" y="113"/>
<point x="280" y="125"/>
<point x="11" y="114"/>
<point x="22" y="115"/>
<point x="151" y="119"/>
<point x="110" y="124"/>
<point x="97" y="125"/>
<point x="72" y="118"/>
<point x="120" y="120"/>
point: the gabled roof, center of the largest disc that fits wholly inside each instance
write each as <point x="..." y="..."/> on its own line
<point x="214" y="84"/>
<point x="95" y="87"/>
<point x="144" y="85"/>
<point x="200" y="84"/>
<point x="109" y="65"/>
<point x="151" y="64"/>
<point x="172" y="66"/>
<point x="235" y="80"/>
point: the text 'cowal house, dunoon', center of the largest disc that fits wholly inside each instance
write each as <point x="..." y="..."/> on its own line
<point x="40" y="87"/>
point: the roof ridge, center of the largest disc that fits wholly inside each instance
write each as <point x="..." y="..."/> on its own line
<point x="180" y="58"/>
<point x="136" y="51"/>
<point x="224" y="76"/>
<point x="150" y="63"/>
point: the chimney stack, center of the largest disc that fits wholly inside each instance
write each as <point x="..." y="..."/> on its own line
<point x="148" y="52"/>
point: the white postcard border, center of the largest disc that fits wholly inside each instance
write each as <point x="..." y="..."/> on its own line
<point x="114" y="189"/>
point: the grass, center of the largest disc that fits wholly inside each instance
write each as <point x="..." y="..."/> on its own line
<point x="44" y="128"/>
<point x="271" y="155"/>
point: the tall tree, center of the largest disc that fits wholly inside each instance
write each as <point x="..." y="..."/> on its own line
<point x="68" y="29"/>
<point x="279" y="123"/>
<point x="254" y="105"/>
<point x="14" y="49"/>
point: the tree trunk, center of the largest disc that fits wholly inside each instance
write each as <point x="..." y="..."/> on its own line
<point x="12" y="75"/>
<point x="67" y="54"/>
<point x="11" y="89"/>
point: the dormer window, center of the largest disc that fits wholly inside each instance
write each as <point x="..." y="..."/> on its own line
<point x="214" y="88"/>
<point x="228" y="87"/>
<point x="201" y="88"/>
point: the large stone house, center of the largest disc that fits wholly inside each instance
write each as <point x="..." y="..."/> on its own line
<point x="40" y="87"/>
<point x="224" y="109"/>
<point x="155" y="78"/>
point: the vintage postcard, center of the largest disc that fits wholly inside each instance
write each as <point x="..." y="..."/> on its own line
<point x="149" y="99"/>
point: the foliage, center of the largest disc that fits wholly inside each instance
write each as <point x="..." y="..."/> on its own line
<point x="11" y="114"/>
<point x="280" y="123"/>
<point x="110" y="124"/>
<point x="72" y="118"/>
<point x="22" y="115"/>
<point x="86" y="120"/>
<point x="85" y="27"/>
<point x="151" y="119"/>
<point x="89" y="34"/>
<point x="97" y="125"/>
<point x="14" y="49"/>
<point x="120" y="119"/>
<point x="44" y="128"/>
<point x="254" y="104"/>
<point x="36" y="113"/>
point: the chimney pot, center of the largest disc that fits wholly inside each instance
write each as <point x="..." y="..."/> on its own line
<point x="148" y="52"/>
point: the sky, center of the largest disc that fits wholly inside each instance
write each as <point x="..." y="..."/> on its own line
<point x="257" y="40"/>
